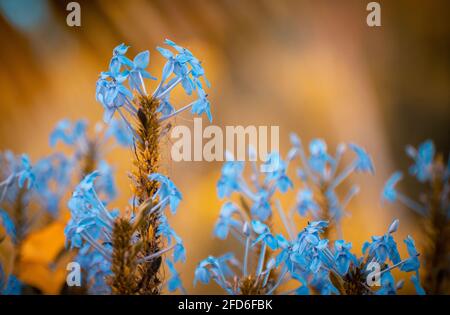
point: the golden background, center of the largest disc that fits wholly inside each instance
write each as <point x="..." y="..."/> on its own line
<point x="313" y="67"/>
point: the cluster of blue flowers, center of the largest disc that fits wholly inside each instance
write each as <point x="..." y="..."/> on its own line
<point x="320" y="175"/>
<point x="40" y="187"/>
<point x="304" y="257"/>
<point x="91" y="226"/>
<point x="270" y="260"/>
<point x="181" y="67"/>
<point x="426" y="170"/>
<point x="433" y="208"/>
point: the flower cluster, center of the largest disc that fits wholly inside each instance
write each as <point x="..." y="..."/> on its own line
<point x="304" y="257"/>
<point x="30" y="190"/>
<point x="348" y="274"/>
<point x="321" y="177"/>
<point x="89" y="151"/>
<point x="433" y="208"/>
<point x="181" y="67"/>
<point x="91" y="229"/>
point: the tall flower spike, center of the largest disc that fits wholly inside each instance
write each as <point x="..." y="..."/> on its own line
<point x="433" y="210"/>
<point x="144" y="114"/>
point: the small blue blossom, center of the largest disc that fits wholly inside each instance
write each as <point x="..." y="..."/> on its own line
<point x="412" y="263"/>
<point x="306" y="202"/>
<point x="165" y="108"/>
<point x="389" y="191"/>
<point x="105" y="182"/>
<point x="8" y="224"/>
<point x="89" y="217"/>
<point x="120" y="131"/>
<point x="417" y="286"/>
<point x="97" y="269"/>
<point x="68" y="132"/>
<point x="363" y="161"/>
<point x="226" y="221"/>
<point x="261" y="207"/>
<point x="423" y="158"/>
<point x="229" y="180"/>
<point x="264" y="235"/>
<point x="202" y="105"/>
<point x="179" y="252"/>
<point x="277" y="173"/>
<point x="168" y="190"/>
<point x="319" y="157"/>
<point x="342" y="256"/>
<point x="137" y="73"/>
<point x="27" y="174"/>
<point x="13" y="286"/>
<point x="112" y="95"/>
<point x="388" y="286"/>
<point x="174" y="282"/>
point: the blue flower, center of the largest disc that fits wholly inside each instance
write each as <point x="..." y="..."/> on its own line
<point x="138" y="72"/>
<point x="197" y="69"/>
<point x="319" y="157"/>
<point x="112" y="95"/>
<point x="260" y="208"/>
<point x="389" y="192"/>
<point x="342" y="256"/>
<point x="97" y="269"/>
<point x="202" y="105"/>
<point x="306" y="202"/>
<point x="68" y="132"/>
<point x="229" y="180"/>
<point x="423" y="158"/>
<point x="168" y="190"/>
<point x="179" y="252"/>
<point x="206" y="269"/>
<point x="13" y="286"/>
<point x="27" y="174"/>
<point x="215" y="268"/>
<point x="165" y="108"/>
<point x="276" y="171"/>
<point x="181" y="68"/>
<point x="174" y="281"/>
<point x="382" y="248"/>
<point x="52" y="178"/>
<point x="105" y="183"/>
<point x="89" y="217"/>
<point x="120" y="131"/>
<point x="119" y="58"/>
<point x="8" y="224"/>
<point x="417" y="286"/>
<point x="184" y="56"/>
<point x="388" y="286"/>
<point x="177" y="64"/>
<point x="412" y="263"/>
<point x="225" y="221"/>
<point x="264" y="235"/>
<point x="202" y="274"/>
<point x="363" y="161"/>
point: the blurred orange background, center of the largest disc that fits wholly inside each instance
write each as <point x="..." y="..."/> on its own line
<point x="313" y="67"/>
